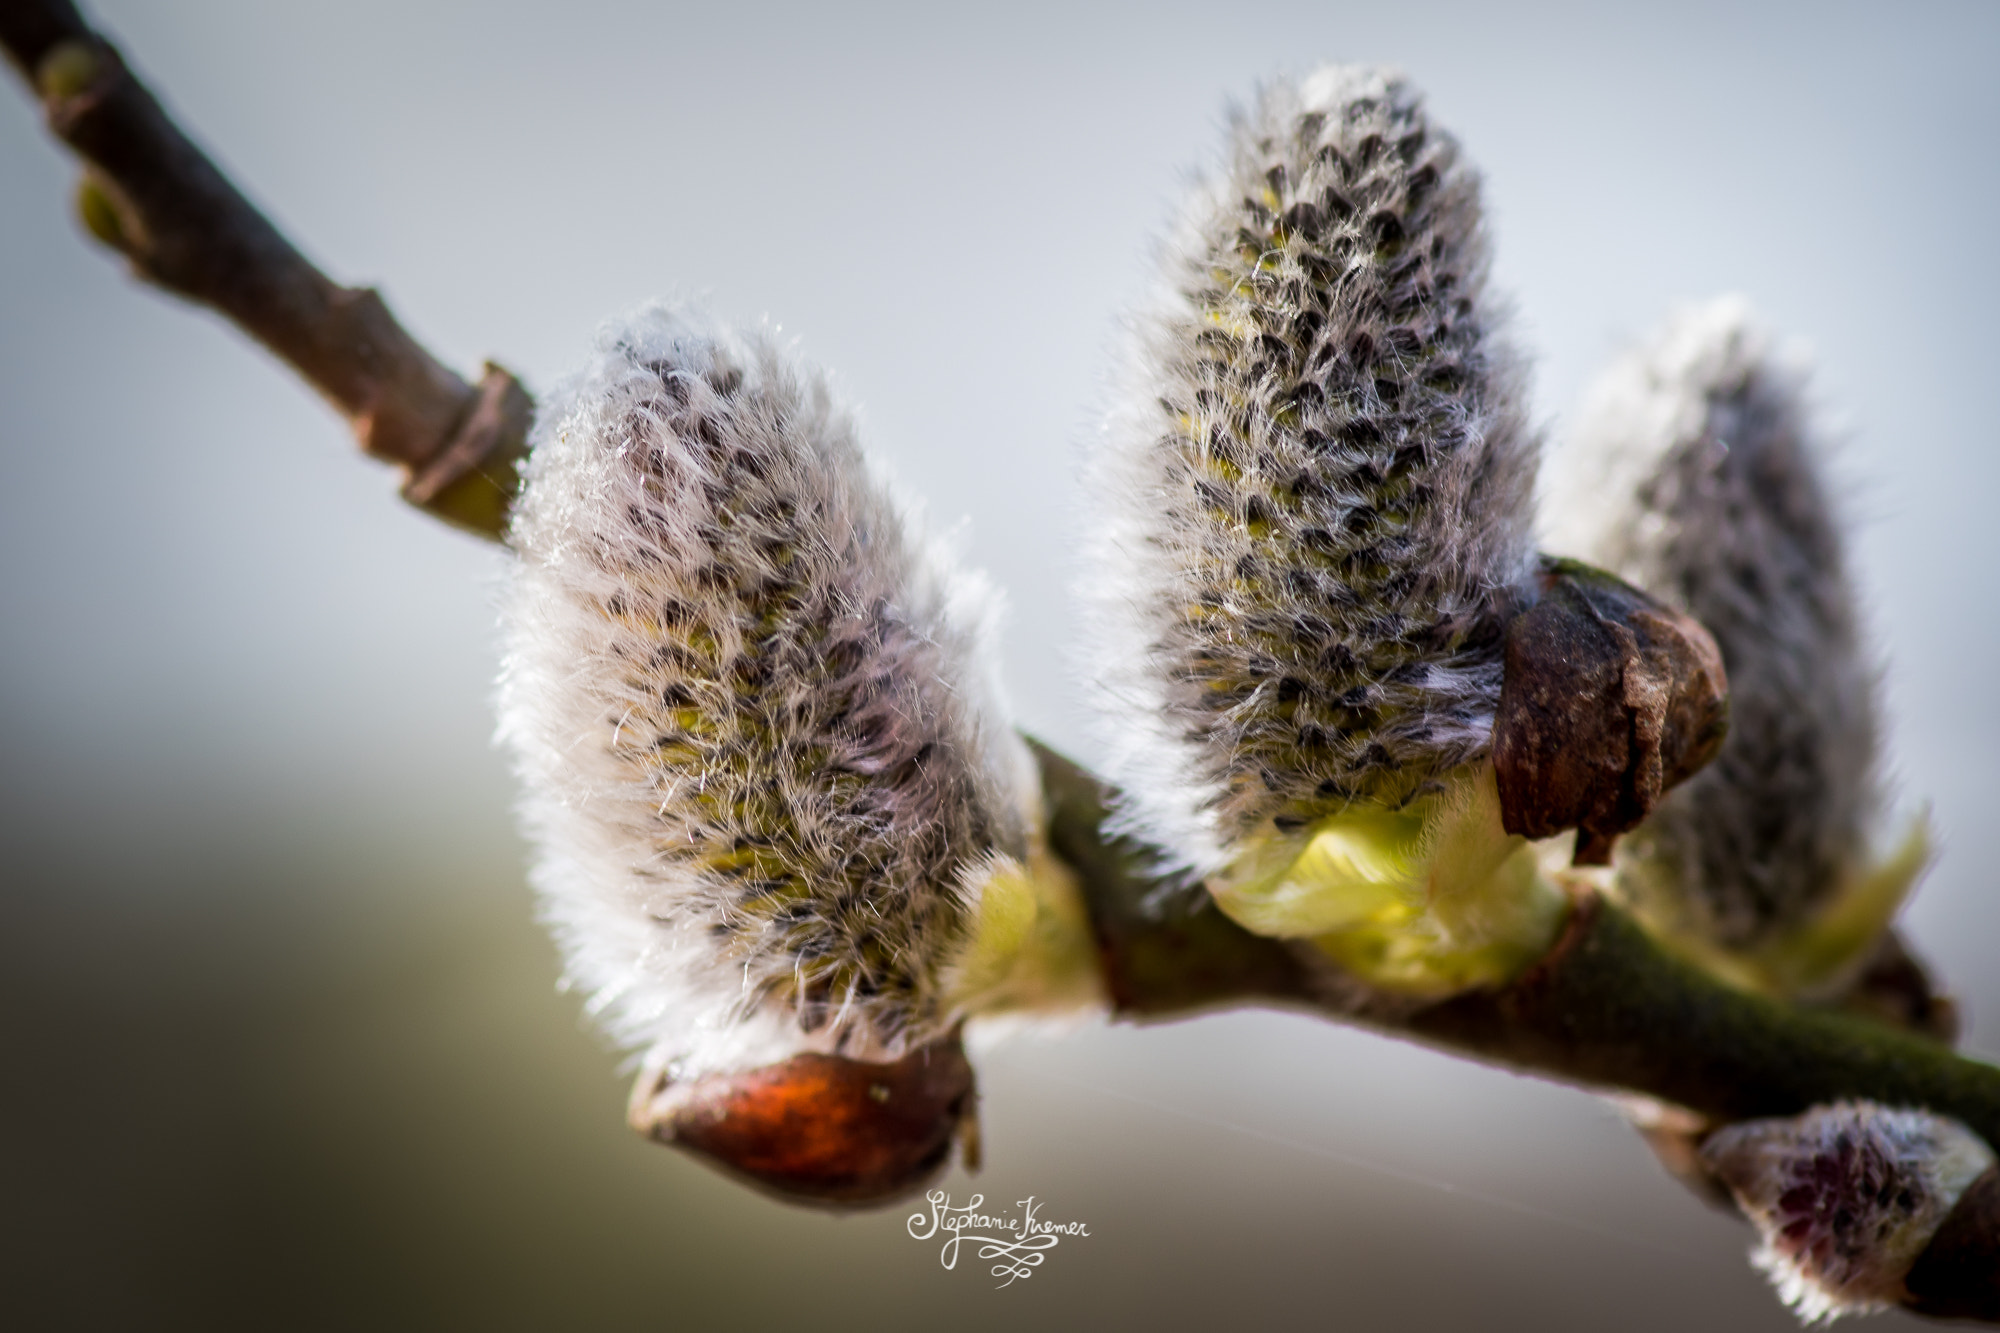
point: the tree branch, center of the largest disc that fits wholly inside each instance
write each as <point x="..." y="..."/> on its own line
<point x="153" y="196"/>
<point x="1607" y="1008"/>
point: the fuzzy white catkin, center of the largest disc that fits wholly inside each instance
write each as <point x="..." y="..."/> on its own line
<point x="1845" y="1197"/>
<point x="1315" y="490"/>
<point x="1698" y="473"/>
<point x="765" y="768"/>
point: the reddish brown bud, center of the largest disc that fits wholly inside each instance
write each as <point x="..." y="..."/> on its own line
<point x="1609" y="699"/>
<point x="820" y="1129"/>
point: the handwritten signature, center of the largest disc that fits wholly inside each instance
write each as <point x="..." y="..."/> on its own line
<point x="1018" y="1241"/>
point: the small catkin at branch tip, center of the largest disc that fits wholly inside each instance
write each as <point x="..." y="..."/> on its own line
<point x="1846" y="1198"/>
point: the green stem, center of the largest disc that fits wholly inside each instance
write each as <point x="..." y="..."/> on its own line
<point x="1607" y="1007"/>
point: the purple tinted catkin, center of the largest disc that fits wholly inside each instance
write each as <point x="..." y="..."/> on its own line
<point x="1845" y="1197"/>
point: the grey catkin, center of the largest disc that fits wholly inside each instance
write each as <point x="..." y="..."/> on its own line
<point x="1314" y="491"/>
<point x="1698" y="471"/>
<point x="764" y="764"/>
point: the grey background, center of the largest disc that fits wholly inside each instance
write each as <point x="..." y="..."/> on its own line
<point x="284" y="1044"/>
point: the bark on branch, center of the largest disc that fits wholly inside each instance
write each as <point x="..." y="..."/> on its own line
<point x="152" y="195"/>
<point x="1607" y="1008"/>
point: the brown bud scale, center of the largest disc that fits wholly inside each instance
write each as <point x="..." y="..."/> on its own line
<point x="1609" y="699"/>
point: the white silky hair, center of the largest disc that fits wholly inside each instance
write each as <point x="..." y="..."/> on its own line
<point x="1845" y="1197"/>
<point x="766" y="767"/>
<point x="1314" y="492"/>
<point x="1699" y="472"/>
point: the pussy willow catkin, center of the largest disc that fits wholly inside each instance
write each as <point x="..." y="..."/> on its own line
<point x="1314" y="495"/>
<point x="772" y="787"/>
<point x="1845" y="1197"/>
<point x="1699" y="472"/>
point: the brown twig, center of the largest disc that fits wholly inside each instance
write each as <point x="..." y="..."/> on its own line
<point x="153" y="196"/>
<point x="1607" y="1008"/>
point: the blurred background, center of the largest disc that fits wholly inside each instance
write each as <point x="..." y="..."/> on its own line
<point x="283" y="1041"/>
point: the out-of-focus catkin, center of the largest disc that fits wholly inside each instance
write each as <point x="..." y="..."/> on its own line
<point x="1699" y="472"/>
<point x="773" y="790"/>
<point x="1845" y="1197"/>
